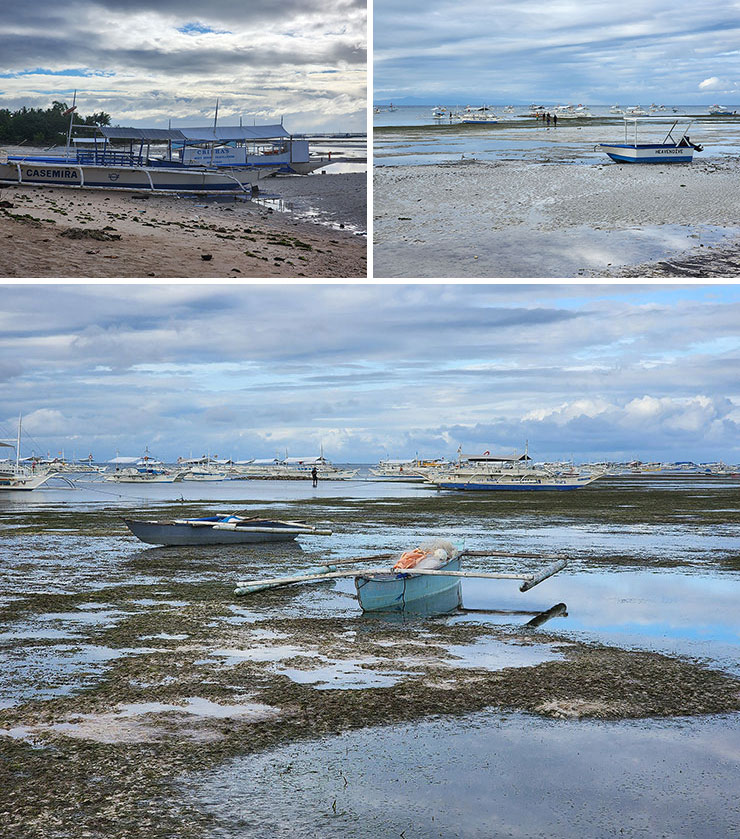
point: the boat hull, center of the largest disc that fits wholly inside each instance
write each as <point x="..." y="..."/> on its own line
<point x="528" y="485"/>
<point x="134" y="178"/>
<point x="174" y="533"/>
<point x="647" y="153"/>
<point x="409" y="592"/>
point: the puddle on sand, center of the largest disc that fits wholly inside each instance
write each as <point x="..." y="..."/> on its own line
<point x="485" y="775"/>
<point x="46" y="671"/>
<point x="524" y="252"/>
<point x="339" y="674"/>
<point x="127" y="726"/>
<point x="491" y="654"/>
<point x="665" y="611"/>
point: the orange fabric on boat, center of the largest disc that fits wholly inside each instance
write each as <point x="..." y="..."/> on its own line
<point x="410" y="559"/>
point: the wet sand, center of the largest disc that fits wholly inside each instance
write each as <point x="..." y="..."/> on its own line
<point x="68" y="233"/>
<point x="526" y="219"/>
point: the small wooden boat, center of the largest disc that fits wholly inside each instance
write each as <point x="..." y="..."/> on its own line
<point x="219" y="530"/>
<point x="397" y="592"/>
<point x="413" y="588"/>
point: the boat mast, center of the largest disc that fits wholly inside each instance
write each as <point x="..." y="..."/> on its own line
<point x="18" y="443"/>
<point x="71" y="120"/>
<point x="215" y="120"/>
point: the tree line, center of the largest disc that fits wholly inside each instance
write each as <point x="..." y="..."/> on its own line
<point x="39" y="126"/>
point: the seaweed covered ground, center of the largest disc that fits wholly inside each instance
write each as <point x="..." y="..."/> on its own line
<point x="129" y="670"/>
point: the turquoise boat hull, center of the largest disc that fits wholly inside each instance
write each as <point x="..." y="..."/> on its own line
<point x="409" y="592"/>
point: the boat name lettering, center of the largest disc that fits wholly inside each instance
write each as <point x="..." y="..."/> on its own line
<point x="70" y="174"/>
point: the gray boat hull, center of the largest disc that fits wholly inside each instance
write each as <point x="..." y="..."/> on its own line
<point x="164" y="533"/>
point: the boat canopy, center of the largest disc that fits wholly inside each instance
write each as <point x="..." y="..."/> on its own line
<point x="306" y="460"/>
<point x="234" y="133"/>
<point x="206" y="134"/>
<point x="491" y="458"/>
<point x="127" y="460"/>
<point x="157" y="135"/>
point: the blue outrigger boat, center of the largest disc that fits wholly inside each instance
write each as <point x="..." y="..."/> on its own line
<point x="410" y="589"/>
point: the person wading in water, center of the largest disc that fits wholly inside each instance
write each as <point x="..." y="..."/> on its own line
<point x="315" y="476"/>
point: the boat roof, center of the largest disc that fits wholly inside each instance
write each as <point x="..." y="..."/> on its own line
<point x="157" y="134"/>
<point x="206" y="134"/>
<point x="659" y="119"/>
<point x="228" y="133"/>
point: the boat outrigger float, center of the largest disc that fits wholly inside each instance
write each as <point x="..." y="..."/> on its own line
<point x="432" y="571"/>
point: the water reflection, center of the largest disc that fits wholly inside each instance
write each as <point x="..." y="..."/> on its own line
<point x="485" y="776"/>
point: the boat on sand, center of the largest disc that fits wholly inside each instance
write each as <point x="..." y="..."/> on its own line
<point x="219" y="530"/>
<point x="675" y="147"/>
<point x="428" y="574"/>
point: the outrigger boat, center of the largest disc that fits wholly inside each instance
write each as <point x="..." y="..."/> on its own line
<point x="430" y="573"/>
<point x="15" y="475"/>
<point x="675" y="147"/>
<point x="220" y="530"/>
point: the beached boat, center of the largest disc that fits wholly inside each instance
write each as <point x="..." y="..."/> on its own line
<point x="675" y="147"/>
<point x="422" y="580"/>
<point x="113" y="172"/>
<point x="396" y="591"/>
<point x="219" y="530"/>
<point x="17" y="475"/>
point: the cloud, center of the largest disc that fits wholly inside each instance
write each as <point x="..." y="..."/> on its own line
<point x="592" y="51"/>
<point x="300" y="59"/>
<point x="584" y="371"/>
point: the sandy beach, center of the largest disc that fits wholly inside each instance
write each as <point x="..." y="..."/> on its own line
<point x="526" y="219"/>
<point x="308" y="227"/>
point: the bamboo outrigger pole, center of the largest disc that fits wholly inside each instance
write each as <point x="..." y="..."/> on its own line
<point x="528" y="580"/>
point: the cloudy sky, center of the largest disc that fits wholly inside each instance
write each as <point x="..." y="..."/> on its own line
<point x="549" y="51"/>
<point x="580" y="371"/>
<point x="145" y="62"/>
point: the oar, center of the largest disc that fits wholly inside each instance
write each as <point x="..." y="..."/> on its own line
<point x="529" y="580"/>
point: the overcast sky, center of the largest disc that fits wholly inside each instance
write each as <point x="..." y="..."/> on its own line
<point x="145" y="62"/>
<point x="558" y="51"/>
<point x="581" y="371"/>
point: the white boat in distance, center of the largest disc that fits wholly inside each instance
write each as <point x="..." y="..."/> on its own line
<point x="508" y="472"/>
<point x="15" y="475"/>
<point x="407" y="470"/>
<point x="142" y="470"/>
<point x="675" y="147"/>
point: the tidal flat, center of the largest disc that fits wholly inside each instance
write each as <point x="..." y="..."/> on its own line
<point x="139" y="696"/>
<point x="524" y="218"/>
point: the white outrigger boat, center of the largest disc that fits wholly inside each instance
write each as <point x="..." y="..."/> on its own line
<point x="15" y="475"/>
<point x="429" y="574"/>
<point x="675" y="147"/>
